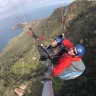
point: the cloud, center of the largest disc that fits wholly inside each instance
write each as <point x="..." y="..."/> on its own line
<point x="11" y="5"/>
<point x="36" y="3"/>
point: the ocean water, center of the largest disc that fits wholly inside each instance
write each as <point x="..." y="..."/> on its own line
<point x="6" y="32"/>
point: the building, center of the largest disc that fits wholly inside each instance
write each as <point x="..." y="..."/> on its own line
<point x="23" y="86"/>
<point x="20" y="91"/>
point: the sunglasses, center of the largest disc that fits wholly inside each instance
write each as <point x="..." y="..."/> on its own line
<point x="74" y="51"/>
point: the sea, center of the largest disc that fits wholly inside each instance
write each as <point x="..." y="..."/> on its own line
<point x="6" y="31"/>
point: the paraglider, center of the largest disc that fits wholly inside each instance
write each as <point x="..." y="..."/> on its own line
<point x="50" y="55"/>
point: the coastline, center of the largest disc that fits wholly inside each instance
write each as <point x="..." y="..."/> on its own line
<point x="9" y="44"/>
<point x="13" y="40"/>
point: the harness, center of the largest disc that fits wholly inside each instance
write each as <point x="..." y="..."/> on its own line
<point x="73" y="71"/>
<point x="52" y="53"/>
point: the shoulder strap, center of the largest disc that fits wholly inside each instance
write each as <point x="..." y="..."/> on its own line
<point x="78" y="65"/>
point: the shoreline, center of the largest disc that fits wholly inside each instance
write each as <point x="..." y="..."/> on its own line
<point x="14" y="39"/>
<point x="8" y="45"/>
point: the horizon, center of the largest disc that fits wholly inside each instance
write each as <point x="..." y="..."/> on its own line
<point x="12" y="14"/>
<point x="14" y="7"/>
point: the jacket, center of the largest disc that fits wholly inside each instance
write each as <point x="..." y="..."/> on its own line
<point x="65" y="60"/>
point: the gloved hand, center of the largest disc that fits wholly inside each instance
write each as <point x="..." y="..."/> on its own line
<point x="49" y="70"/>
<point x="43" y="54"/>
<point x="61" y="36"/>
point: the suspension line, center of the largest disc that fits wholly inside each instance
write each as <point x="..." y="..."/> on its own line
<point x="11" y="16"/>
<point x="13" y="8"/>
<point x="64" y="12"/>
<point x="22" y="11"/>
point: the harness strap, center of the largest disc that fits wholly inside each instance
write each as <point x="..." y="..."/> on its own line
<point x="70" y="75"/>
<point x="76" y="68"/>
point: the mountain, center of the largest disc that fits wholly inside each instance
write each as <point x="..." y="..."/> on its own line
<point x="19" y="61"/>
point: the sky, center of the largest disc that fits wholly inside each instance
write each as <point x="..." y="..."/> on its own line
<point x="14" y="5"/>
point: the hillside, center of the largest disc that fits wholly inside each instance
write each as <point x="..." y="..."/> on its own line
<point x="20" y="63"/>
<point x="83" y="27"/>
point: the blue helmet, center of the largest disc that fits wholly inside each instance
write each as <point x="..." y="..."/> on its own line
<point x="59" y="40"/>
<point x="80" y="50"/>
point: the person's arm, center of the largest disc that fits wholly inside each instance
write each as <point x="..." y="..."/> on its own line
<point x="67" y="43"/>
<point x="65" y="62"/>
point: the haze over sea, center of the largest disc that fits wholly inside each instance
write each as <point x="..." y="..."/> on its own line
<point x="6" y="31"/>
